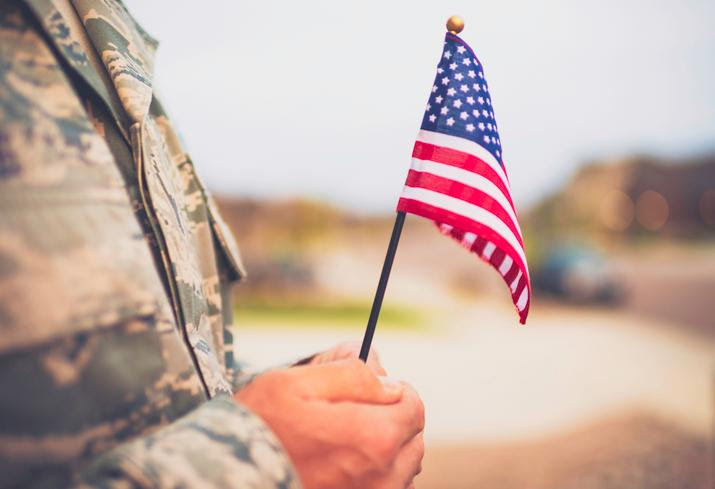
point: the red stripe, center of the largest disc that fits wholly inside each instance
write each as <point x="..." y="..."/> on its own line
<point x="465" y="161"/>
<point x="483" y="231"/>
<point x="463" y="192"/>
<point x="512" y="273"/>
<point x="478" y="246"/>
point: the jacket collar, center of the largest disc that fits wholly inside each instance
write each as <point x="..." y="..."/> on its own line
<point x="126" y="51"/>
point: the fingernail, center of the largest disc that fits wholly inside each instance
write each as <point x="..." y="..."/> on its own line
<point x="391" y="385"/>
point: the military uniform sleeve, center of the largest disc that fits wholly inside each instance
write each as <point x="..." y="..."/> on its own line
<point x="219" y="445"/>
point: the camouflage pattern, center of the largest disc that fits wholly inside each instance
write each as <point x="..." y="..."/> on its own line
<point x="116" y="358"/>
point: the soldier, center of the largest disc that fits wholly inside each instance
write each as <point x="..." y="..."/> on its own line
<point x="116" y="357"/>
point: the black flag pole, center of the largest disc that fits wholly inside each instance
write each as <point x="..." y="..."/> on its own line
<point x="381" y="286"/>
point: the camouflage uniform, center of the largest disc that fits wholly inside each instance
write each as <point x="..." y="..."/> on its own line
<point x="116" y="364"/>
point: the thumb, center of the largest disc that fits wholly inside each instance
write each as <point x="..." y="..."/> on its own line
<point x="346" y="380"/>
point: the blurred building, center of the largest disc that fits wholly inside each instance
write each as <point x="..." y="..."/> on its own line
<point x="639" y="195"/>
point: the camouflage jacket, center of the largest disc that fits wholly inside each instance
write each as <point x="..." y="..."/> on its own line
<point x="116" y="364"/>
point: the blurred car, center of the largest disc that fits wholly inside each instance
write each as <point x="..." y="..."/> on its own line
<point x="579" y="274"/>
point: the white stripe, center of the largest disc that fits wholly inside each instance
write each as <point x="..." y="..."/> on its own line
<point x="465" y="146"/>
<point x="469" y="178"/>
<point x="515" y="283"/>
<point x="468" y="240"/>
<point x="521" y="303"/>
<point x="488" y="250"/>
<point x="467" y="210"/>
<point x="505" y="265"/>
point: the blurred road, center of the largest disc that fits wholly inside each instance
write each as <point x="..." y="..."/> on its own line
<point x="488" y="382"/>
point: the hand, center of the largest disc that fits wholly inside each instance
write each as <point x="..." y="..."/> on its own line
<point x="346" y="350"/>
<point x="341" y="425"/>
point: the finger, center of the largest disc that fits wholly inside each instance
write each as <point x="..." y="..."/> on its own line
<point x="409" y="462"/>
<point x="346" y="380"/>
<point x="408" y="414"/>
<point x="350" y="349"/>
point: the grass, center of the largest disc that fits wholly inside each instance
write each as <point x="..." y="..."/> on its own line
<point x="342" y="314"/>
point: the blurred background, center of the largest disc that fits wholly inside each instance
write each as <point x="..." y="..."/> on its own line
<point x="301" y="117"/>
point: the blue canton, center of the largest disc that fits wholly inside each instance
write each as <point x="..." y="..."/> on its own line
<point x="459" y="104"/>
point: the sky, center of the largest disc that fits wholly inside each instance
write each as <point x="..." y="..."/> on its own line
<point x="324" y="99"/>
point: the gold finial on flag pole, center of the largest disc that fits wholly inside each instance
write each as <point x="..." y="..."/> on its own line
<point x="455" y="24"/>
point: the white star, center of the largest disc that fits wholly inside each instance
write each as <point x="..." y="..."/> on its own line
<point x="485" y="113"/>
<point x="451" y="91"/>
<point x="457" y="103"/>
<point x="475" y="113"/>
<point x="489" y="101"/>
<point x="466" y="62"/>
<point x="464" y="88"/>
<point x="460" y="49"/>
<point x="481" y="126"/>
<point x="485" y="87"/>
<point x="494" y="140"/>
<point x="434" y="88"/>
<point x="458" y="76"/>
<point x="491" y="114"/>
<point x="481" y="75"/>
<point x="453" y="66"/>
<point x="440" y="70"/>
<point x="450" y="121"/>
<point x="489" y="126"/>
<point x="428" y="107"/>
<point x="445" y="80"/>
<point x="480" y="100"/>
<point x="499" y="141"/>
<point x="471" y="74"/>
<point x="486" y="139"/>
<point x="498" y="154"/>
<point x="463" y="116"/>
<point x="438" y="99"/>
<point x="476" y="87"/>
<point x="470" y="100"/>
<point x="470" y="127"/>
<point x="443" y="110"/>
<point x="447" y="54"/>
<point x="432" y="117"/>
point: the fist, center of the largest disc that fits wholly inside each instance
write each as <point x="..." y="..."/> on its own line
<point x="341" y="425"/>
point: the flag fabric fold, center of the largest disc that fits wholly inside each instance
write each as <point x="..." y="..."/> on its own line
<point x="458" y="178"/>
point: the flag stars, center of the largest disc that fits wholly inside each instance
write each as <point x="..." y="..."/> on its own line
<point x="463" y="116"/>
<point x="464" y="88"/>
<point x="480" y="100"/>
<point x="481" y="126"/>
<point x="453" y="66"/>
<point x="485" y="113"/>
<point x="461" y="49"/>
<point x="475" y="113"/>
<point x="432" y="117"/>
<point x="481" y="75"/>
<point x="466" y="62"/>
<point x="458" y="77"/>
<point x="489" y="126"/>
<point x="429" y="106"/>
<point x="450" y="122"/>
<point x="457" y="103"/>
<point x="470" y="127"/>
<point x="440" y="70"/>
<point x="471" y="74"/>
<point x="486" y="139"/>
<point x="451" y="91"/>
<point x="477" y="87"/>
<point x="438" y="99"/>
<point x="445" y="80"/>
<point x="443" y="110"/>
<point x="434" y="88"/>
<point x="447" y="55"/>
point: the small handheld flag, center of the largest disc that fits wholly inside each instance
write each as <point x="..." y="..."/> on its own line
<point x="458" y="178"/>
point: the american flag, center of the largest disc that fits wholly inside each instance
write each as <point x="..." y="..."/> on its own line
<point x="458" y="178"/>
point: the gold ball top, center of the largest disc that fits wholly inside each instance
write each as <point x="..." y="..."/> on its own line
<point x="455" y="24"/>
